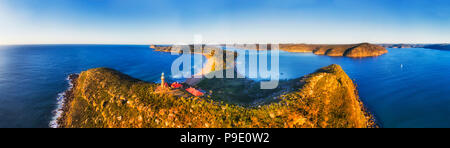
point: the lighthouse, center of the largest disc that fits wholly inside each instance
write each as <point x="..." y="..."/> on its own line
<point x="162" y="81"/>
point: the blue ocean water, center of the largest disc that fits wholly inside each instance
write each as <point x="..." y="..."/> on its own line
<point x="404" y="88"/>
<point x="32" y="76"/>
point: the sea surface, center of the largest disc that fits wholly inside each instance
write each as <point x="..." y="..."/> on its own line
<point x="404" y="88"/>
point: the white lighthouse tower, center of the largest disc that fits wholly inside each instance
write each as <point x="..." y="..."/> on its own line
<point x="163" y="81"/>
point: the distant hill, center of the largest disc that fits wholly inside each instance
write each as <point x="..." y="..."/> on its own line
<point x="348" y="50"/>
<point x="104" y="97"/>
<point x="351" y="50"/>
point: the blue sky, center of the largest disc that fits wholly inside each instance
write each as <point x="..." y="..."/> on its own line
<point x="223" y="21"/>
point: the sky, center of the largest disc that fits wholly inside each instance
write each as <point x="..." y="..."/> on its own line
<point x="223" y="21"/>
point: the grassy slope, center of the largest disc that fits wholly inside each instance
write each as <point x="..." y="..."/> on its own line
<point x="244" y="91"/>
<point x="105" y="98"/>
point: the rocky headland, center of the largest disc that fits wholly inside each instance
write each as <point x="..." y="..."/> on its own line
<point x="104" y="97"/>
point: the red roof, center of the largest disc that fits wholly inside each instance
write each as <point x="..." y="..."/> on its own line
<point x="176" y="85"/>
<point x="165" y="85"/>
<point x="194" y="92"/>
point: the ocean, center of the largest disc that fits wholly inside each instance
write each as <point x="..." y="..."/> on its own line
<point x="403" y="88"/>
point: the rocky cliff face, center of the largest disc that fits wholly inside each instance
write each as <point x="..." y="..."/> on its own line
<point x="352" y="50"/>
<point x="365" y="50"/>
<point x="106" y="98"/>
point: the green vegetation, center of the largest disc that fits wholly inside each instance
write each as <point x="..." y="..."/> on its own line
<point x="346" y="50"/>
<point x="242" y="91"/>
<point x="106" y="98"/>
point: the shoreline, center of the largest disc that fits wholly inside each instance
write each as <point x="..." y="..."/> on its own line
<point x="64" y="100"/>
<point x="207" y="66"/>
<point x="360" y="50"/>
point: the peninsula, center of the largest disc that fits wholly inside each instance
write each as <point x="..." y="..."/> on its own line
<point x="429" y="46"/>
<point x="104" y="97"/>
<point x="351" y="50"/>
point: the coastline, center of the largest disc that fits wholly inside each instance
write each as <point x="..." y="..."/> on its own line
<point x="65" y="117"/>
<point x="64" y="99"/>
<point x="206" y="67"/>
<point x="361" y="50"/>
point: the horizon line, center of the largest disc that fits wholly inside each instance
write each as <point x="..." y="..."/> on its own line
<point x="148" y="44"/>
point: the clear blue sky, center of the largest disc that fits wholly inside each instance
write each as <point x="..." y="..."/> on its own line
<point x="218" y="21"/>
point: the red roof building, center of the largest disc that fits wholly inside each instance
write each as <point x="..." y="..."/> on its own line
<point x="176" y="85"/>
<point x="195" y="92"/>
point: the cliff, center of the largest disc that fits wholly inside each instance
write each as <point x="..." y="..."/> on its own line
<point x="106" y="98"/>
<point x="161" y="48"/>
<point x="352" y="50"/>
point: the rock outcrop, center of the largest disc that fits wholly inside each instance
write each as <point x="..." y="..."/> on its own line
<point x="103" y="97"/>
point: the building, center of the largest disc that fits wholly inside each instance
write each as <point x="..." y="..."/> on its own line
<point x="195" y="92"/>
<point x="176" y="85"/>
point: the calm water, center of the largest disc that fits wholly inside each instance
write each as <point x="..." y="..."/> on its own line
<point x="404" y="88"/>
<point x="32" y="76"/>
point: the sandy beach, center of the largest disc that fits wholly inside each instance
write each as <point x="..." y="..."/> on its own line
<point x="207" y="68"/>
